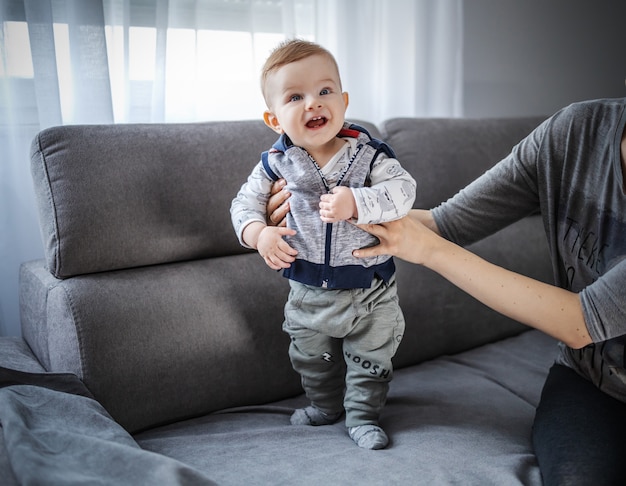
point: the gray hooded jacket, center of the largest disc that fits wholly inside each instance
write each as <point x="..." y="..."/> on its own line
<point x="383" y="191"/>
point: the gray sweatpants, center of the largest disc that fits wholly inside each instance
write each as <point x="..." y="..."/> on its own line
<point x="343" y="341"/>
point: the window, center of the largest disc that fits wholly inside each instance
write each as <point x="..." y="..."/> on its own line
<point x="176" y="60"/>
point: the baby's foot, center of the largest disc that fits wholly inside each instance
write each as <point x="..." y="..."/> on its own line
<point x="313" y="416"/>
<point x="369" y="436"/>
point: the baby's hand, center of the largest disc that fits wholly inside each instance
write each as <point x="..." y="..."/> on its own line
<point x="339" y="205"/>
<point x="274" y="250"/>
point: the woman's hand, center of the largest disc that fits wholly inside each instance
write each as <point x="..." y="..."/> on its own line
<point x="271" y="246"/>
<point x="405" y="238"/>
<point x="278" y="204"/>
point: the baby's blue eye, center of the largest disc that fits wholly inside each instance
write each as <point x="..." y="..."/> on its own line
<point x="325" y="91"/>
<point x="295" y="98"/>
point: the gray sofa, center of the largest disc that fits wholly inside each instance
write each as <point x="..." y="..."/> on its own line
<point x="152" y="349"/>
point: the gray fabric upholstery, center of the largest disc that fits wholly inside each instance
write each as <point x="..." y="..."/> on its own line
<point x="17" y="355"/>
<point x="120" y="196"/>
<point x="445" y="154"/>
<point x="14" y="354"/>
<point x="95" y="449"/>
<point x="166" y="342"/>
<point x="457" y="420"/>
<point x="147" y="297"/>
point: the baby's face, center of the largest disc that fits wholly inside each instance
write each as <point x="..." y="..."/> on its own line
<point x="306" y="103"/>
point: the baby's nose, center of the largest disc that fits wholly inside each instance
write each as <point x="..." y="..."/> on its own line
<point x="313" y="102"/>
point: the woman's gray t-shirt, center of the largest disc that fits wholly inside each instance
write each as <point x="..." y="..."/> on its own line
<point x="569" y="168"/>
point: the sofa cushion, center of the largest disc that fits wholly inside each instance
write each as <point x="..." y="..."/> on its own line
<point x="57" y="437"/>
<point x="121" y="196"/>
<point x="446" y="154"/>
<point x="459" y="419"/>
<point x="16" y="354"/>
<point x="158" y="344"/>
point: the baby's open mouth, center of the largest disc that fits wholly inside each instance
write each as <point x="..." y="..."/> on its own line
<point x="316" y="122"/>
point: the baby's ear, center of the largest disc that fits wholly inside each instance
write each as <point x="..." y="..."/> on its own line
<point x="271" y="121"/>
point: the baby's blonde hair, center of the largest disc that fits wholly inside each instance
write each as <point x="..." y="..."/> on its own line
<point x="292" y="50"/>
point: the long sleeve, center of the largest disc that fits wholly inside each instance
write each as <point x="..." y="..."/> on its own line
<point x="250" y="203"/>
<point x="390" y="196"/>
<point x="604" y="304"/>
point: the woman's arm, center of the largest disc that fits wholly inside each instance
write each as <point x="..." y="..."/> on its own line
<point x="553" y="310"/>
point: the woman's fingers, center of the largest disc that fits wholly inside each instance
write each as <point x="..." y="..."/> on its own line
<point x="277" y="205"/>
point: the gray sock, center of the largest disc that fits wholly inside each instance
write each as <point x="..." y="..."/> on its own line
<point x="369" y="436"/>
<point x="313" y="416"/>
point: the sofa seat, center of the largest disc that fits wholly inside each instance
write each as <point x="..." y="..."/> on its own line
<point x="467" y="415"/>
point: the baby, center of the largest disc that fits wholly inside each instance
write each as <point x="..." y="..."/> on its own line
<point x="342" y="314"/>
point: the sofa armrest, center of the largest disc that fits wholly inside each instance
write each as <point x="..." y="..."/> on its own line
<point x="17" y="355"/>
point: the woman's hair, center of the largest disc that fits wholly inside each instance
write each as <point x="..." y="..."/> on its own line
<point x="289" y="51"/>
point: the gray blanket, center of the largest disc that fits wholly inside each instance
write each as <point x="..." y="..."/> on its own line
<point x="56" y="433"/>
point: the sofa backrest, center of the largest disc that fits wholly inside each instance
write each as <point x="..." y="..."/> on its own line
<point x="147" y="296"/>
<point x="122" y="196"/>
<point x="444" y="155"/>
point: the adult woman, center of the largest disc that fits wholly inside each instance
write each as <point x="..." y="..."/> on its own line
<point x="572" y="169"/>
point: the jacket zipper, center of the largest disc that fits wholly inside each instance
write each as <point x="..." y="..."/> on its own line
<point x="329" y="233"/>
<point x="329" y="226"/>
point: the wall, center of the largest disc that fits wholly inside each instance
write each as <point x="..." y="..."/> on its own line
<point x="532" y="57"/>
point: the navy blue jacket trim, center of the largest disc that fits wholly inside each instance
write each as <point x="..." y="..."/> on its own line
<point x="381" y="146"/>
<point x="346" y="277"/>
<point x="266" y="166"/>
<point x="283" y="143"/>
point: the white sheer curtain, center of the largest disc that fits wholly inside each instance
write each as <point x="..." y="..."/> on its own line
<point x="118" y="61"/>
<point x="397" y="57"/>
<point x="192" y="60"/>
